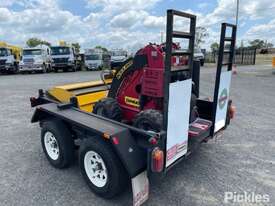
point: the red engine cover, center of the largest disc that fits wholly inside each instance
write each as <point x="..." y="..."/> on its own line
<point x="152" y="83"/>
<point x="146" y="82"/>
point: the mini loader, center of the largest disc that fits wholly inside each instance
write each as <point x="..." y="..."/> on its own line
<point x="140" y="121"/>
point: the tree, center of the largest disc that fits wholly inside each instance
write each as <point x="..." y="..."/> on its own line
<point x="33" y="42"/>
<point x="103" y="48"/>
<point x="201" y="34"/>
<point x="215" y="47"/>
<point x="76" y="47"/>
<point x="268" y="45"/>
<point x="257" y="44"/>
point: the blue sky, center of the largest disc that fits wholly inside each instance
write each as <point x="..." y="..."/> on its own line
<point x="128" y="24"/>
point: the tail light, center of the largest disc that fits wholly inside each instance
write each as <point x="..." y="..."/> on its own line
<point x="232" y="111"/>
<point x="153" y="141"/>
<point x="157" y="161"/>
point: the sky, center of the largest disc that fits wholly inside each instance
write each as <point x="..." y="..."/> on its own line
<point x="128" y="24"/>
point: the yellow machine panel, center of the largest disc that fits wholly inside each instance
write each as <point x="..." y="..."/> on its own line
<point x="86" y="93"/>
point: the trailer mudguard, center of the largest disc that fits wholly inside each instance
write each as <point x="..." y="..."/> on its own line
<point x="132" y="156"/>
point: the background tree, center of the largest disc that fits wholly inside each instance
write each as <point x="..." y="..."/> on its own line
<point x="103" y="48"/>
<point x="268" y="45"/>
<point x="214" y="47"/>
<point x="33" y="42"/>
<point x="201" y="34"/>
<point x="257" y="44"/>
<point x="76" y="47"/>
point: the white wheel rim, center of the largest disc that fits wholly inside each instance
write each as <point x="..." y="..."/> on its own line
<point x="51" y="145"/>
<point x="95" y="169"/>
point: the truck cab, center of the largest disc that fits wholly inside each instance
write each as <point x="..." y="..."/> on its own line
<point x="7" y="61"/>
<point x="63" y="58"/>
<point x="198" y="55"/>
<point x="93" y="61"/>
<point x="36" y="59"/>
<point x="118" y="57"/>
<point x="9" y="58"/>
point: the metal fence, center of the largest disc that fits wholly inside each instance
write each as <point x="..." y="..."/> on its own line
<point x="242" y="57"/>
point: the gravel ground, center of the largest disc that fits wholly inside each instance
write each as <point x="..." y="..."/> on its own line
<point x="242" y="160"/>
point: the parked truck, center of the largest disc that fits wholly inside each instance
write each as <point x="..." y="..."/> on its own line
<point x="64" y="57"/>
<point x="96" y="59"/>
<point x="118" y="57"/>
<point x="36" y="59"/>
<point x="9" y="58"/>
<point x="198" y="55"/>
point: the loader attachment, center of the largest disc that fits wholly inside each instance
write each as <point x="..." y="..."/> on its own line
<point x="86" y="93"/>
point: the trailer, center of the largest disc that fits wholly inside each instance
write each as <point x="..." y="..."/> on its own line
<point x="113" y="153"/>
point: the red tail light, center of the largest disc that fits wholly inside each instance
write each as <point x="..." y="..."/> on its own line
<point x="153" y="140"/>
<point x="157" y="161"/>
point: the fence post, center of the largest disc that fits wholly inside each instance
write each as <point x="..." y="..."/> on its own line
<point x="255" y="53"/>
<point x="242" y="55"/>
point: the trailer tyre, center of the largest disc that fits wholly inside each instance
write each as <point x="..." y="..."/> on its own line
<point x="57" y="143"/>
<point x="109" y="108"/>
<point x="149" y="120"/>
<point x="101" y="168"/>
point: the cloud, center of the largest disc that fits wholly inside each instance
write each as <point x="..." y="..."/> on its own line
<point x="157" y="22"/>
<point x="128" y="19"/>
<point x="203" y="5"/>
<point x="113" y="6"/>
<point x="266" y="31"/>
<point x="51" y="24"/>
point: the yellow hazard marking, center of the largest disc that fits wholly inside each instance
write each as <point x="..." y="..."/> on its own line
<point x="132" y="101"/>
<point x="124" y="68"/>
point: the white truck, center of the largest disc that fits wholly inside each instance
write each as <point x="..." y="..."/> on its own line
<point x="198" y="55"/>
<point x="64" y="58"/>
<point x="36" y="59"/>
<point x="96" y="59"/>
<point x="118" y="57"/>
<point x="9" y="58"/>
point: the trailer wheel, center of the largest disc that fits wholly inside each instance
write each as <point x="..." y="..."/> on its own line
<point x="149" y="120"/>
<point x="108" y="107"/>
<point x="57" y="143"/>
<point x="101" y="168"/>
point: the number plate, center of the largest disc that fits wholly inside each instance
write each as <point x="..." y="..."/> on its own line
<point x="140" y="187"/>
